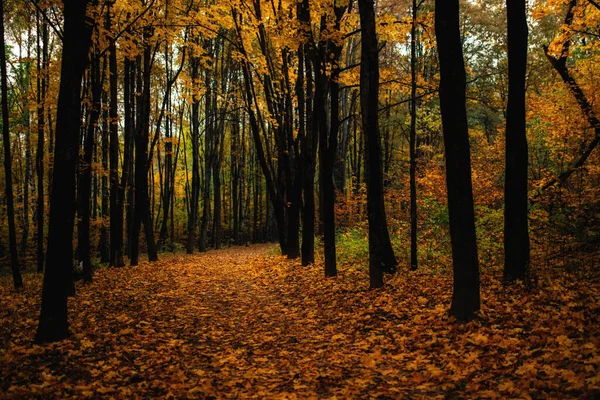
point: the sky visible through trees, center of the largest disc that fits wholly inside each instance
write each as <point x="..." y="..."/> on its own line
<point x="374" y="199"/>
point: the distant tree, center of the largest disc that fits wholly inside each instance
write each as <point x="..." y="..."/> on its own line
<point x="8" y="189"/>
<point x="195" y="134"/>
<point x="381" y="254"/>
<point x="77" y="31"/>
<point x="84" y="183"/>
<point x="465" y="297"/>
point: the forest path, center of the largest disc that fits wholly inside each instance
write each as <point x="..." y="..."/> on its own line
<point x="244" y="323"/>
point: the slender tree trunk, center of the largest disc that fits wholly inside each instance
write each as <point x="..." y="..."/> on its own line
<point x="53" y="324"/>
<point x="465" y="297"/>
<point x="516" y="229"/>
<point x="133" y="80"/>
<point x="208" y="150"/>
<point x="8" y="189"/>
<point x="116" y="203"/>
<point x="413" y="138"/>
<point x="28" y="165"/>
<point x="328" y="141"/>
<point x="85" y="174"/>
<point x="168" y="173"/>
<point x="381" y="254"/>
<point x="195" y="189"/>
<point x="309" y="149"/>
<point x="104" y="244"/>
<point x="235" y="178"/>
<point x="142" y="206"/>
<point x="217" y="228"/>
<point x="42" y="67"/>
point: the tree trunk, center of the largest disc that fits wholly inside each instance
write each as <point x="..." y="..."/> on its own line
<point x="516" y="230"/>
<point x="465" y="297"/>
<point x="328" y="141"/>
<point x="8" y="190"/>
<point x="116" y="198"/>
<point x="85" y="174"/>
<point x="195" y="189"/>
<point x="53" y="325"/>
<point x="413" y="138"/>
<point x="28" y="164"/>
<point x="208" y="150"/>
<point x="104" y="244"/>
<point x="42" y="85"/>
<point x="381" y="254"/>
<point x="141" y="211"/>
<point x="307" y="134"/>
<point x="168" y="172"/>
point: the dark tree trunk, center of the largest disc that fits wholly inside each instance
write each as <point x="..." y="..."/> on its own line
<point x="168" y="160"/>
<point x="516" y="230"/>
<point x="85" y="174"/>
<point x="308" y="135"/>
<point x="53" y="325"/>
<point x="217" y="228"/>
<point x="8" y="189"/>
<point x="465" y="297"/>
<point x="208" y="151"/>
<point x="128" y="180"/>
<point x="141" y="211"/>
<point x="205" y="207"/>
<point x="381" y="254"/>
<point x="28" y="164"/>
<point x="42" y="85"/>
<point x="116" y="198"/>
<point x="309" y="151"/>
<point x="413" y="138"/>
<point x="236" y="189"/>
<point x="292" y="165"/>
<point x="328" y="141"/>
<point x="104" y="244"/>
<point x="195" y="189"/>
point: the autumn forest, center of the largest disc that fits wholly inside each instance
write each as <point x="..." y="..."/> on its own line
<point x="300" y="199"/>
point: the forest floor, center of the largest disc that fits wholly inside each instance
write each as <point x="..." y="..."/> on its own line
<point x="244" y="323"/>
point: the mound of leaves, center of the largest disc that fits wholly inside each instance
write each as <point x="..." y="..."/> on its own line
<point x="242" y="323"/>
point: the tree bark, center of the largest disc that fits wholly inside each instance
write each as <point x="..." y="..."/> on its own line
<point x="413" y="138"/>
<point x="465" y="297"/>
<point x="104" y="243"/>
<point x="381" y="254"/>
<point x="195" y="189"/>
<point x="141" y="211"/>
<point x="8" y="190"/>
<point x="116" y="198"/>
<point x="307" y="133"/>
<point x="42" y="85"/>
<point x="516" y="229"/>
<point x="53" y="324"/>
<point x="85" y="174"/>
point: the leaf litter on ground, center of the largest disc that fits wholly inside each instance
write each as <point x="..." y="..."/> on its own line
<point x="244" y="323"/>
